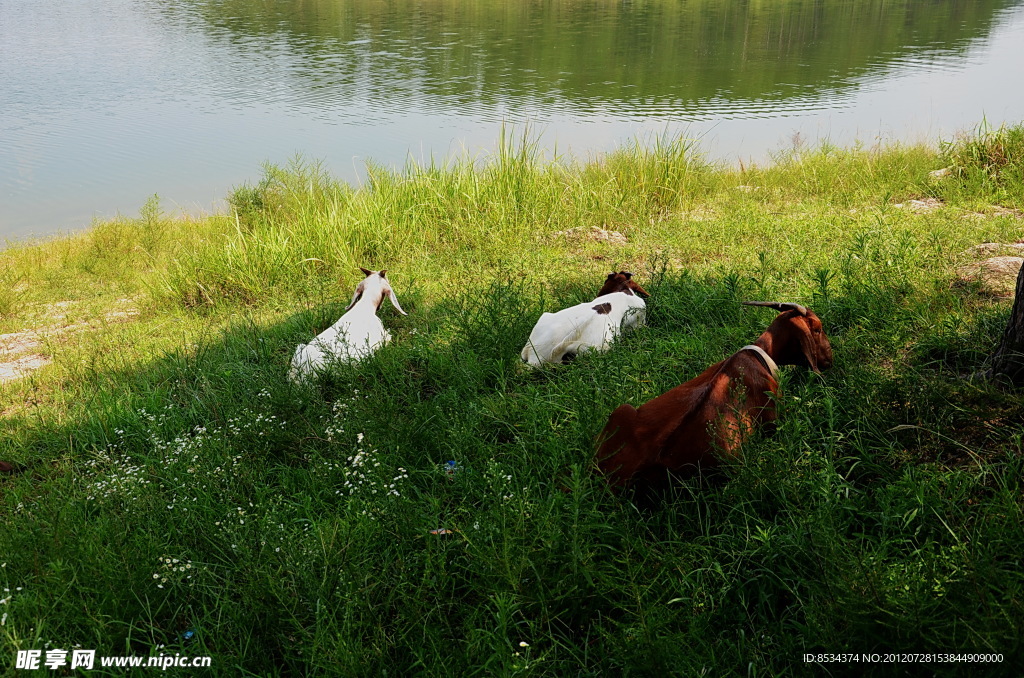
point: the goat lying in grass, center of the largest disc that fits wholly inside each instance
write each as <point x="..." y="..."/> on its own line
<point x="592" y="325"/>
<point x="356" y="335"/>
<point x="682" y="430"/>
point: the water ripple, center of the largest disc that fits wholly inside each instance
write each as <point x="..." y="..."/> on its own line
<point x="104" y="102"/>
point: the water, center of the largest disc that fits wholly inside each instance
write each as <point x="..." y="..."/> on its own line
<point x="106" y="102"/>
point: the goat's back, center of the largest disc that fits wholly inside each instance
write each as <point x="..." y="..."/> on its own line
<point x="591" y="325"/>
<point x="355" y="336"/>
<point x="685" y="428"/>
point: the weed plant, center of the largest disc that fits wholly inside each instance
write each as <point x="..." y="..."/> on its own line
<point x="434" y="510"/>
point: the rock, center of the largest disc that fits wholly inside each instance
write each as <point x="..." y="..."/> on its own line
<point x="940" y="173"/>
<point x="997" y="275"/>
<point x="990" y="249"/>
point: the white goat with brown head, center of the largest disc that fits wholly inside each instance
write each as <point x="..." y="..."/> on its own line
<point x="590" y="326"/>
<point x="356" y="335"/>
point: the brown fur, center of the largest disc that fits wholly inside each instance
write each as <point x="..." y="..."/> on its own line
<point x="681" y="430"/>
<point x="622" y="282"/>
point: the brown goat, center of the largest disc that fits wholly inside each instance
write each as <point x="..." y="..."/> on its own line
<point x="681" y="430"/>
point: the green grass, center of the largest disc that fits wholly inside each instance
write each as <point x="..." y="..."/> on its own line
<point x="988" y="161"/>
<point x="885" y="514"/>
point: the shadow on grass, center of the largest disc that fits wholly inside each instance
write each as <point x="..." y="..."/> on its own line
<point x="407" y="514"/>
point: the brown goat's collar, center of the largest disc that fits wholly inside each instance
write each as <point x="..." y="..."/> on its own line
<point x="768" y="362"/>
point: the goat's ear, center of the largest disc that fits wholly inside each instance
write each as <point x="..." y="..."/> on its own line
<point x="355" y="295"/>
<point x="639" y="290"/>
<point x="394" y="300"/>
<point x="807" y="343"/>
<point x="611" y="275"/>
<point x="626" y="273"/>
<point x="365" y="272"/>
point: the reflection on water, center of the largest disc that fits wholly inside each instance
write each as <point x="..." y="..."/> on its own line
<point x="623" y="60"/>
<point x="104" y="102"/>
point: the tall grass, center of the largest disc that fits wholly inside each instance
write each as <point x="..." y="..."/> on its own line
<point x="434" y="509"/>
<point x="298" y="229"/>
<point x="988" y="160"/>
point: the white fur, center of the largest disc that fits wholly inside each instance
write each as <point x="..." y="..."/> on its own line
<point x="581" y="328"/>
<point x="356" y="335"/>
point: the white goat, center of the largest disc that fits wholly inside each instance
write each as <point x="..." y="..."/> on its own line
<point x="356" y="335"/>
<point x="590" y="326"/>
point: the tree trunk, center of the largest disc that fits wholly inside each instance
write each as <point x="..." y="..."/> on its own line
<point x="1008" y="360"/>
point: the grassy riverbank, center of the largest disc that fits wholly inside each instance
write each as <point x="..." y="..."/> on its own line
<point x="170" y="480"/>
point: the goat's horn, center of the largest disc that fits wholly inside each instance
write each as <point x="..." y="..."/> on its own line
<point x="778" y="306"/>
<point x="365" y="271"/>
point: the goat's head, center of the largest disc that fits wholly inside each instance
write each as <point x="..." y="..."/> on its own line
<point x="797" y="337"/>
<point x="377" y="286"/>
<point x="622" y="282"/>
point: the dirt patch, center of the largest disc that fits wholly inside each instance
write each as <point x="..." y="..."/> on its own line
<point x="999" y="211"/>
<point x="921" y="206"/>
<point x="57" y="309"/>
<point x="593" y="233"/>
<point x="699" y="214"/>
<point x="19" y="342"/>
<point x="22" y="367"/>
<point x="21" y="352"/>
<point x="996" y="211"/>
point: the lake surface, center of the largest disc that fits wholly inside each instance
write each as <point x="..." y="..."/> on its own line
<point x="104" y="103"/>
